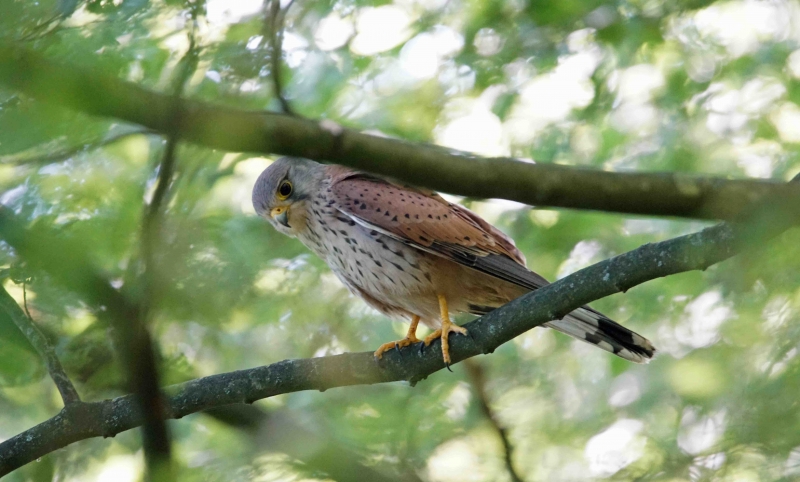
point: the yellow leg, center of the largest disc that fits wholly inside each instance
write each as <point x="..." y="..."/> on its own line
<point x="447" y="327"/>
<point x="410" y="339"/>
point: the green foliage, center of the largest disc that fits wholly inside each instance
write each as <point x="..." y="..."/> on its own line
<point x="627" y="85"/>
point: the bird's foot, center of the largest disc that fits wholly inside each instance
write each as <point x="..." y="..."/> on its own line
<point x="444" y="333"/>
<point x="408" y="340"/>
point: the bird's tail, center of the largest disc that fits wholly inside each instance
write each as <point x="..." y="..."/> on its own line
<point x="590" y="326"/>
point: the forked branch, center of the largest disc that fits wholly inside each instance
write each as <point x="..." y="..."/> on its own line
<point x="42" y="346"/>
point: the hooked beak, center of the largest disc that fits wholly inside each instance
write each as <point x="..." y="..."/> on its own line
<point x="280" y="214"/>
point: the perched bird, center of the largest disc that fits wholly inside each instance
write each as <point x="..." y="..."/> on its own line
<point x="411" y="254"/>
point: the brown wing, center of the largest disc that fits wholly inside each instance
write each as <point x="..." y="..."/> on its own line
<point x="427" y="221"/>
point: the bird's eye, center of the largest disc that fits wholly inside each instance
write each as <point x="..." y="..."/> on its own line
<point x="285" y="190"/>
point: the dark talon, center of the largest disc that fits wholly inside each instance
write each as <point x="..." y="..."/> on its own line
<point x="448" y="367"/>
<point x="422" y="347"/>
<point x="397" y="347"/>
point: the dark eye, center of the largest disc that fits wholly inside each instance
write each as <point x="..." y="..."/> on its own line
<point x="285" y="189"/>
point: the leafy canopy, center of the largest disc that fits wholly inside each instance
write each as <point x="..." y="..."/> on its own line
<point x="689" y="86"/>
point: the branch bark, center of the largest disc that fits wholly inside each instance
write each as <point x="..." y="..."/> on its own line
<point x="107" y="418"/>
<point x="662" y="194"/>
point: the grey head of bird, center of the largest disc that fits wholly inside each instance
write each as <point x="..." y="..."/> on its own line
<point x="283" y="192"/>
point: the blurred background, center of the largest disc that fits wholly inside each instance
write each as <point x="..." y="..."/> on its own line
<point x="629" y="85"/>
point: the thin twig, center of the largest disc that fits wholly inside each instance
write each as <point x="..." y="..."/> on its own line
<point x="35" y="31"/>
<point x="43" y="347"/>
<point x="273" y="23"/>
<point x="25" y="299"/>
<point x="152" y="219"/>
<point x="476" y="376"/>
<point x="20" y="159"/>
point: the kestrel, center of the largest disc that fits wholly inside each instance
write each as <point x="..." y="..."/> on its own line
<point x="411" y="254"/>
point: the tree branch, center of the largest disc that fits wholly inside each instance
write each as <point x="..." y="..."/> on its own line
<point x="231" y="129"/>
<point x="32" y="332"/>
<point x="108" y="418"/>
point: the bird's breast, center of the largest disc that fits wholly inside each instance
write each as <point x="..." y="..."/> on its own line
<point x="367" y="261"/>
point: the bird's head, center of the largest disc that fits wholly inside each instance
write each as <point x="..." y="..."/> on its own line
<point x="283" y="190"/>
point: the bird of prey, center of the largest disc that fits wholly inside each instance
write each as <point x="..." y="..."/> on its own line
<point x="411" y="254"/>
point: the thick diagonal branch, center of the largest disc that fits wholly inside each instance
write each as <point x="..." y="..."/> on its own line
<point x="81" y="421"/>
<point x="424" y="165"/>
<point x="43" y="347"/>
